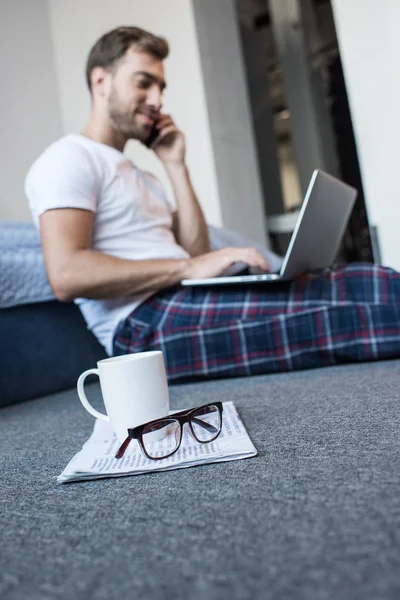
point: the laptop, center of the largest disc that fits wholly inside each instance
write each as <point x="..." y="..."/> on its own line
<point x="316" y="238"/>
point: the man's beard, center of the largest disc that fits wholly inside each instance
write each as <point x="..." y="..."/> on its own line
<point x="124" y="121"/>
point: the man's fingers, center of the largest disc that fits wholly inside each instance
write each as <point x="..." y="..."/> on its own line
<point x="253" y="258"/>
<point x="167" y="132"/>
<point x="214" y="263"/>
<point x="164" y="120"/>
<point x="168" y="129"/>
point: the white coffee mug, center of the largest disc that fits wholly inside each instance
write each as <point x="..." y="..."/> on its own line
<point x="134" y="389"/>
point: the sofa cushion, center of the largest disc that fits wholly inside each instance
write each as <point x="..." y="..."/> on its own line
<point x="45" y="347"/>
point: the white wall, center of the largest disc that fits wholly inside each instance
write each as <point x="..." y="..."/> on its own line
<point x="30" y="117"/>
<point x="76" y="25"/>
<point x="233" y="142"/>
<point x="369" y="40"/>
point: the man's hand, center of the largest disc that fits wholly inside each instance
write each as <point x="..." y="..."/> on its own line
<point x="189" y="227"/>
<point x="170" y="144"/>
<point x="215" y="263"/>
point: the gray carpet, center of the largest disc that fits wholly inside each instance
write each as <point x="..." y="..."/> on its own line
<point x="316" y="515"/>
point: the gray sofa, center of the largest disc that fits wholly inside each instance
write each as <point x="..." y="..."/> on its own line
<point x="45" y="340"/>
<point x="45" y="344"/>
<point x="316" y="515"/>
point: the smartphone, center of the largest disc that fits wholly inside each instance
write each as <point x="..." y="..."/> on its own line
<point x="153" y="135"/>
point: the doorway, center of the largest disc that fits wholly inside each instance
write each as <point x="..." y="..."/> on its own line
<point x="300" y="113"/>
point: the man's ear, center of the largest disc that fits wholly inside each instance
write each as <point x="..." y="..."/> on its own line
<point x="98" y="78"/>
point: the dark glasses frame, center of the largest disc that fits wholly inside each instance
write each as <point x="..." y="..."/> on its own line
<point x="185" y="416"/>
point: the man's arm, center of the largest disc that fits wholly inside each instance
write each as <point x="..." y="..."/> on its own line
<point x="189" y="225"/>
<point x="190" y="228"/>
<point x="75" y="270"/>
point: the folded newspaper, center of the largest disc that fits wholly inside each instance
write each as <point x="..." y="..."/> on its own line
<point x="96" y="459"/>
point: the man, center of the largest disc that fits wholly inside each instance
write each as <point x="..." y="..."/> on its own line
<point x="111" y="243"/>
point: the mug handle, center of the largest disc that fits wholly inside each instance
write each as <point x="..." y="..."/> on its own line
<point x="82" y="396"/>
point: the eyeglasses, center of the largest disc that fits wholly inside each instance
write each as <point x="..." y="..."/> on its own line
<point x="161" y="438"/>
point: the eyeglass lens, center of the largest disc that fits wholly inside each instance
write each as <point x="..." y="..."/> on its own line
<point x="163" y="438"/>
<point x="206" y="423"/>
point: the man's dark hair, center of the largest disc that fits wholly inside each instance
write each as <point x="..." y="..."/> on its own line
<point x="111" y="47"/>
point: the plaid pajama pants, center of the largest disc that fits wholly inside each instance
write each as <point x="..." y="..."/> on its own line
<point x="349" y="313"/>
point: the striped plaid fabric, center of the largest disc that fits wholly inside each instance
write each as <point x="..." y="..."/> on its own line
<point x="350" y="313"/>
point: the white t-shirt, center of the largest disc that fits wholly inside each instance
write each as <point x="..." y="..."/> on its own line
<point x="133" y="219"/>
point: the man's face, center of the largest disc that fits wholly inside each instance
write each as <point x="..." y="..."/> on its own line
<point x="134" y="93"/>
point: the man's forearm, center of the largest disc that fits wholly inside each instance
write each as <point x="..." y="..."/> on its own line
<point x="91" y="274"/>
<point x="190" y="227"/>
